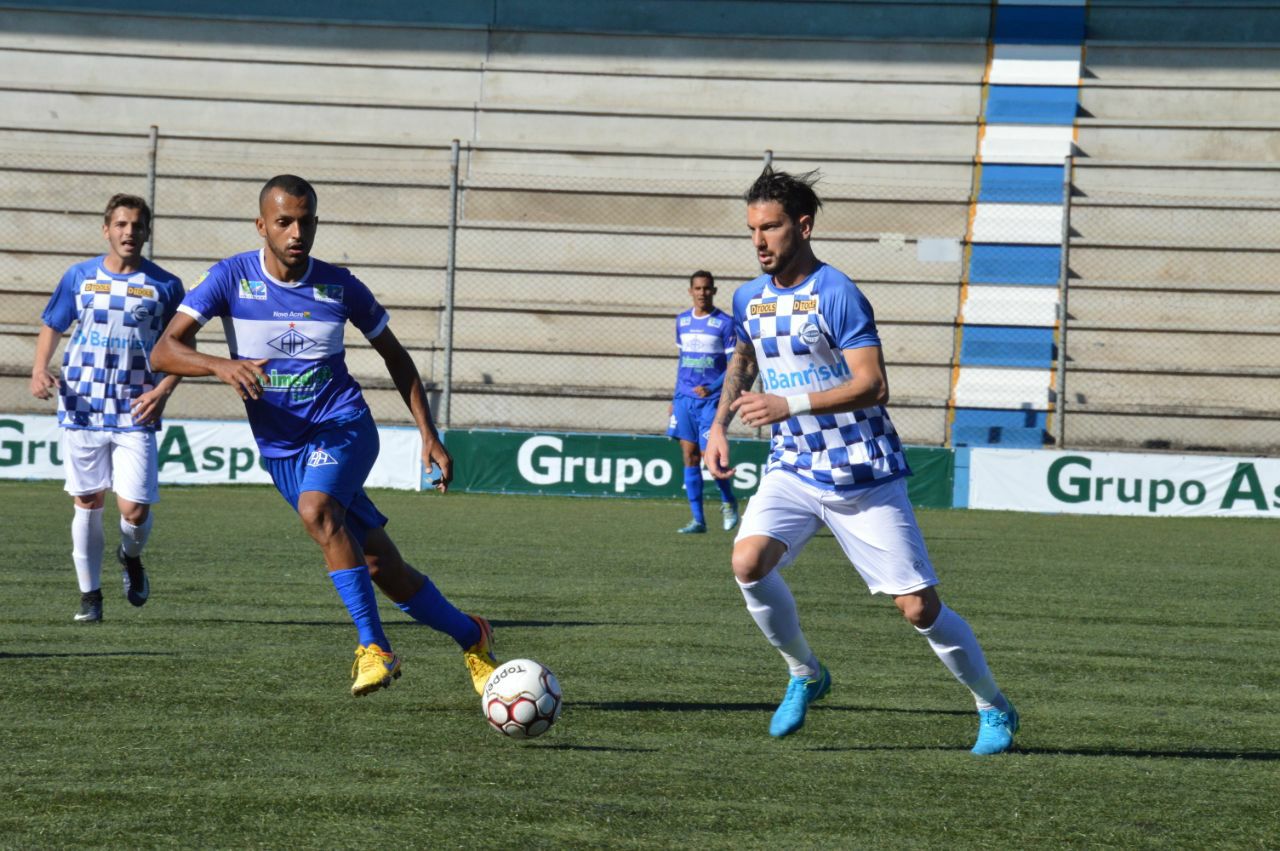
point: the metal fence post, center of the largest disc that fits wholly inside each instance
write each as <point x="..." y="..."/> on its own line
<point x="1061" y="378"/>
<point x="152" y="145"/>
<point x="446" y="395"/>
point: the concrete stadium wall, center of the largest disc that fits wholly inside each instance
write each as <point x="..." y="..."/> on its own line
<point x="605" y="147"/>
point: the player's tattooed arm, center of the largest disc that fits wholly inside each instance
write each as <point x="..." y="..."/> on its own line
<point x="739" y="377"/>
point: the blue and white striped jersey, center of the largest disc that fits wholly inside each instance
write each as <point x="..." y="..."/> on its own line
<point x="705" y="344"/>
<point x="107" y="362"/>
<point x="298" y="327"/>
<point x="800" y="334"/>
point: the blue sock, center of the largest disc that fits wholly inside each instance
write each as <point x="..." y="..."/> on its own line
<point x="430" y="607"/>
<point x="693" y="487"/>
<point x="726" y="491"/>
<point x="356" y="590"/>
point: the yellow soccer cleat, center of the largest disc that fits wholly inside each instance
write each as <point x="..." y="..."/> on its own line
<point x="373" y="669"/>
<point x="479" y="656"/>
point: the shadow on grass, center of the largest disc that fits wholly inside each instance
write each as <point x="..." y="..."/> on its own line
<point x="720" y="706"/>
<point x="496" y="624"/>
<point x="1247" y="756"/>
<point x="85" y="654"/>
<point x="600" y="748"/>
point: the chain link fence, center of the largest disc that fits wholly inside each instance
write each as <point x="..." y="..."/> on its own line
<point x="542" y="292"/>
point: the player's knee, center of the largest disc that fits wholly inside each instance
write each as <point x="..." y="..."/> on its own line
<point x="318" y="518"/>
<point x="135" y="514"/>
<point x="920" y="609"/>
<point x="752" y="563"/>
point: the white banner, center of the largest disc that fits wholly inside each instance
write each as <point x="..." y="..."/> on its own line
<point x="197" y="452"/>
<point x="1123" y="483"/>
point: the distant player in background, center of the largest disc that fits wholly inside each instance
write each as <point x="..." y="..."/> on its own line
<point x="284" y="313"/>
<point x="836" y="460"/>
<point x="705" y="338"/>
<point x="110" y="399"/>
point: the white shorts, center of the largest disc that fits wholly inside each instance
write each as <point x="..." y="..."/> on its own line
<point x="123" y="461"/>
<point x="875" y="527"/>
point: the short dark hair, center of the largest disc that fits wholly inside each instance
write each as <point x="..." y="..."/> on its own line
<point x="794" y="192"/>
<point x="702" y="273"/>
<point x="129" y="202"/>
<point x="292" y="185"/>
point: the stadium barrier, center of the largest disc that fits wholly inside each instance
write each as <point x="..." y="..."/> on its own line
<point x="611" y="465"/>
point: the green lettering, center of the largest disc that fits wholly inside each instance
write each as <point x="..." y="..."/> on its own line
<point x="1079" y="485"/>
<point x="1101" y="487"/>
<point x="1160" y="493"/>
<point x="176" y="448"/>
<point x="241" y="461"/>
<point x="32" y="448"/>
<point x="12" y="448"/>
<point x="1193" y="492"/>
<point x="1245" y="474"/>
<point x="213" y="458"/>
<point x="1136" y="496"/>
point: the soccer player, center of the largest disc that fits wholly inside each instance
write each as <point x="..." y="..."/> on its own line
<point x="807" y="331"/>
<point x="705" y="338"/>
<point x="110" y="397"/>
<point x="284" y="313"/>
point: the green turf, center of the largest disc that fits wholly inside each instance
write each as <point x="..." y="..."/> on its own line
<point x="1142" y="654"/>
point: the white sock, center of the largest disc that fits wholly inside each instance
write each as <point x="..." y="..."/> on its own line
<point x="86" y="547"/>
<point x="773" y="609"/>
<point x="134" y="538"/>
<point x="956" y="645"/>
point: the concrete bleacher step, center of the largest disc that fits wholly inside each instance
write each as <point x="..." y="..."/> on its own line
<point x="1148" y="222"/>
<point x="1173" y="267"/>
<point x="1177" y="311"/>
<point x="1182" y="100"/>
<point x="1129" y="430"/>
<point x="1184" y="182"/>
<point x="1241" y="140"/>
<point x="1171" y="394"/>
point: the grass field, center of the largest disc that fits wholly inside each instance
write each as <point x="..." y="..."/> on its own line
<point x="1142" y="654"/>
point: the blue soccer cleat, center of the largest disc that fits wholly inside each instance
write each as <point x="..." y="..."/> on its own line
<point x="694" y="528"/>
<point x="995" y="731"/>
<point x="789" y="715"/>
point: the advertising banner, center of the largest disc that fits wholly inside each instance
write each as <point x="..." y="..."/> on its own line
<point x="570" y="464"/>
<point x="196" y="452"/>
<point x="1123" y="483"/>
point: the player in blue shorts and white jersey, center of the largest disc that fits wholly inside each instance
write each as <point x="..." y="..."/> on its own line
<point x="110" y="398"/>
<point x="284" y="314"/>
<point x="807" y="331"/>
<point x="705" y="338"/>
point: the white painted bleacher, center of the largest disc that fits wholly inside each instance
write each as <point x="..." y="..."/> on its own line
<point x="1174" y="302"/>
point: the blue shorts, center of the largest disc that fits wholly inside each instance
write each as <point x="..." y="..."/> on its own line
<point x="335" y="461"/>
<point x="691" y="418"/>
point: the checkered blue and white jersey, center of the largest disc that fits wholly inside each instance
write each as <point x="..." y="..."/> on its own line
<point x="298" y="328"/>
<point x="705" y="344"/>
<point x="107" y="362"/>
<point x="800" y="334"/>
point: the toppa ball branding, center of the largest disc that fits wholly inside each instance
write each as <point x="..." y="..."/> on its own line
<point x="521" y="699"/>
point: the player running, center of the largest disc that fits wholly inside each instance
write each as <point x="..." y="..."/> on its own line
<point x="810" y="335"/>
<point x="284" y="313"/>
<point x="705" y="338"/>
<point x="110" y="397"/>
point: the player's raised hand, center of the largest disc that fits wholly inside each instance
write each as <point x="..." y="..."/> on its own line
<point x="760" y="409"/>
<point x="435" y="455"/>
<point x="245" y="376"/>
<point x="42" y="381"/>
<point x="716" y="453"/>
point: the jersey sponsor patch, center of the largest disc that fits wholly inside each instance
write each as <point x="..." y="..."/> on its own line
<point x="810" y="334"/>
<point x="292" y="342"/>
<point x="685" y="321"/>
<point x="256" y="290"/>
<point x="328" y="292"/>
<point x="320" y="458"/>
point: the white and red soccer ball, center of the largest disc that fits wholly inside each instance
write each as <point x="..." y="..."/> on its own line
<point x="521" y="699"/>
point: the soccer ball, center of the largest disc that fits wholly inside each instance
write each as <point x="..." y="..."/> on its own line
<point x="521" y="699"/>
